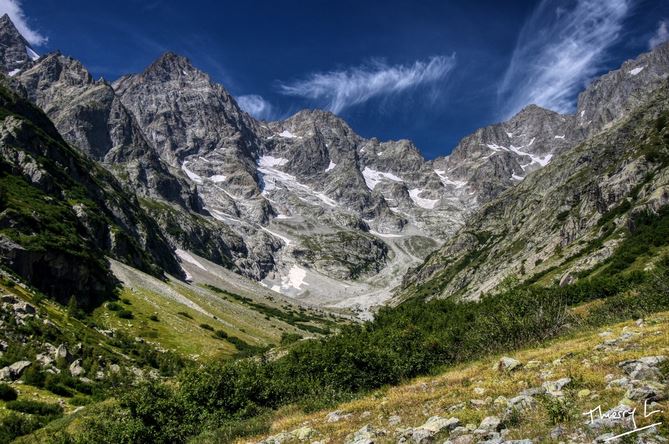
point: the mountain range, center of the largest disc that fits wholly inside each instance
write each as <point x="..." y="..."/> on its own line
<point x="305" y="205"/>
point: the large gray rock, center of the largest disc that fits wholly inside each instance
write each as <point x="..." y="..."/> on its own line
<point x="14" y="371"/>
<point x="365" y="435"/>
<point x="507" y="364"/>
<point x="76" y="368"/>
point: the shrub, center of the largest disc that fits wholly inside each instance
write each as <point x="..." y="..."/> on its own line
<point x="289" y="338"/>
<point x="12" y="426"/>
<point x="220" y="334"/>
<point x="125" y="314"/>
<point x="35" y="407"/>
<point x="207" y="327"/>
<point x="113" y="306"/>
<point x="57" y="388"/>
<point x="154" y="318"/>
<point x="7" y="392"/>
<point x="34" y="376"/>
<point x="184" y="314"/>
<point x="80" y="400"/>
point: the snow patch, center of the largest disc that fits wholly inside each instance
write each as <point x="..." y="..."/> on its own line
<point x="509" y="135"/>
<point x="560" y="137"/>
<point x="219" y="215"/>
<point x="637" y="70"/>
<point x="331" y="166"/>
<point x="376" y="233"/>
<point x="373" y="177"/>
<point x="283" y="238"/>
<point x="187" y="257"/>
<point x="191" y="175"/>
<point x="32" y="54"/>
<point x="294" y="279"/>
<point x="216" y="178"/>
<point x="446" y="181"/>
<point x="271" y="161"/>
<point x="496" y="148"/>
<point x="424" y="203"/>
<point x="272" y="177"/>
<point x="287" y="135"/>
<point x="541" y="160"/>
<point x="14" y="72"/>
<point x="516" y="177"/>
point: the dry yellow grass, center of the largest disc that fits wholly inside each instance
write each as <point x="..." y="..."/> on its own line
<point x="574" y="356"/>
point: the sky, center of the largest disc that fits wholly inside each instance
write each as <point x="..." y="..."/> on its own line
<point x="428" y="71"/>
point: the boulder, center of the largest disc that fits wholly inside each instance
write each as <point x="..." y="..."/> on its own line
<point x="14" y="371"/>
<point x="554" y="388"/>
<point x="44" y="359"/>
<point x="650" y="391"/>
<point x="76" y="368"/>
<point x="521" y="402"/>
<point x="62" y="353"/>
<point x="394" y="420"/>
<point x="491" y="423"/>
<point x="365" y="435"/>
<point x="507" y="364"/>
<point x="24" y="308"/>
<point x="337" y="416"/>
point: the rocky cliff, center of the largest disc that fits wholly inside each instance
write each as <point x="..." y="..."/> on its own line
<point x="61" y="213"/>
<point x="564" y="219"/>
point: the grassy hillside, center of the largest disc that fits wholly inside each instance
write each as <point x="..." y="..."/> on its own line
<point x="222" y="401"/>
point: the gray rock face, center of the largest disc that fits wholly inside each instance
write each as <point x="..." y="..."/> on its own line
<point x="84" y="197"/>
<point x="15" y="52"/>
<point x="90" y="116"/>
<point x="552" y="214"/>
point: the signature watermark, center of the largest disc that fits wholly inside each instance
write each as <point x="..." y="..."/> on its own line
<point x="621" y="414"/>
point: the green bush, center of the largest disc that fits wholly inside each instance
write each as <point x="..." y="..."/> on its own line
<point x="13" y="425"/>
<point x="34" y="376"/>
<point x="289" y="338"/>
<point x="125" y="314"/>
<point x="7" y="392"/>
<point x="154" y="318"/>
<point x="35" y="407"/>
<point x="207" y="327"/>
<point x="113" y="306"/>
<point x="220" y="334"/>
<point x="184" y="314"/>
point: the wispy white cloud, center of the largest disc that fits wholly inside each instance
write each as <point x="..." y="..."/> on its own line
<point x="338" y="90"/>
<point x="559" y="49"/>
<point x="661" y="35"/>
<point x="256" y="105"/>
<point x="15" y="11"/>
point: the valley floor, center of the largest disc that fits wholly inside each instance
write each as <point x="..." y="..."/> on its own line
<point x="544" y="399"/>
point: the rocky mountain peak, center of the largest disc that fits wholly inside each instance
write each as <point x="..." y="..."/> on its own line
<point x="171" y="66"/>
<point x="56" y="67"/>
<point x="15" y="52"/>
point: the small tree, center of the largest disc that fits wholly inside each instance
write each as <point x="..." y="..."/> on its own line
<point x="72" y="308"/>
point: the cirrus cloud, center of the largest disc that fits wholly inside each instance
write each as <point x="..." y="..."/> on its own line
<point x="15" y="12"/>
<point x="338" y="90"/>
<point x="560" y="48"/>
<point x="661" y="35"/>
<point x="256" y="105"/>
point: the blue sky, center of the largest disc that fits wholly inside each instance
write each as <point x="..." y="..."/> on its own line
<point x="429" y="71"/>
